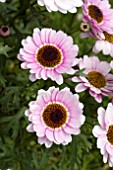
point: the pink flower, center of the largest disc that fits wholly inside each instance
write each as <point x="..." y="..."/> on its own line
<point x="61" y="5"/>
<point x="104" y="44"/>
<point x="48" y="54"/>
<point x="2" y="0"/>
<point x="104" y="133"/>
<point x="97" y="80"/>
<point x="99" y="15"/>
<point x="4" y="31"/>
<point x="55" y="116"/>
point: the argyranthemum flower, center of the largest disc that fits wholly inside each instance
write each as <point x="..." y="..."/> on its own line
<point x="99" y="15"/>
<point x="55" y="116"/>
<point x="61" y="5"/>
<point x="2" y="0"/>
<point x="104" y="133"/>
<point x="98" y="80"/>
<point x="105" y="45"/>
<point x="48" y="54"/>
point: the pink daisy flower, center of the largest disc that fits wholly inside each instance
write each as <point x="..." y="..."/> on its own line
<point x="48" y="54"/>
<point x="55" y="116"/>
<point x="98" y="80"/>
<point x="2" y="0"/>
<point x="61" y="5"/>
<point x="105" y="45"/>
<point x="99" y="15"/>
<point x="104" y="133"/>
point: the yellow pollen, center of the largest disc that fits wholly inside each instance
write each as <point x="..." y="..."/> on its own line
<point x="110" y="134"/>
<point x="55" y="115"/>
<point x="49" y="56"/>
<point x="108" y="37"/>
<point x="96" y="79"/>
<point x="95" y="13"/>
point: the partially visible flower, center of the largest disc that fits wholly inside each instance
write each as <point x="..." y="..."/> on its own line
<point x="2" y="0"/>
<point x="63" y="6"/>
<point x="4" y="31"/>
<point x="104" y="133"/>
<point x="99" y="81"/>
<point x="99" y="15"/>
<point x="111" y="64"/>
<point x="55" y="116"/>
<point x="48" y="54"/>
<point x="104" y="44"/>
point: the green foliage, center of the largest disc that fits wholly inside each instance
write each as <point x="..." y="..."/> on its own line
<point x="19" y="149"/>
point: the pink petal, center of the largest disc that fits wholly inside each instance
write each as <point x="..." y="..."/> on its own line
<point x="101" y="141"/>
<point x="101" y="116"/>
<point x="98" y="131"/>
<point x="39" y="129"/>
<point x="58" y="136"/>
<point x="109" y="149"/>
<point x="71" y="130"/>
<point x="109" y="114"/>
<point x="98" y="98"/>
<point x="30" y="128"/>
<point x="66" y="137"/>
<point x="49" y="134"/>
<point x="80" y="87"/>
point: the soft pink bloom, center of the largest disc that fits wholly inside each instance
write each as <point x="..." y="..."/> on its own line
<point x="104" y="41"/>
<point x="55" y="116"/>
<point x="4" y="31"/>
<point x="2" y="0"/>
<point x="48" y="54"/>
<point x="97" y="80"/>
<point x="104" y="133"/>
<point x="99" y="15"/>
<point x="104" y="44"/>
<point x="63" y="6"/>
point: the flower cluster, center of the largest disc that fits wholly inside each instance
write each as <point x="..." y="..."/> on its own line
<point x="99" y="16"/>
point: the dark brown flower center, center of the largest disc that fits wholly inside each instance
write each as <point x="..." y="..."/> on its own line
<point x="4" y="29"/>
<point x="110" y="134"/>
<point x="96" y="79"/>
<point x="95" y="13"/>
<point x="55" y="115"/>
<point x="108" y="37"/>
<point x="49" y="56"/>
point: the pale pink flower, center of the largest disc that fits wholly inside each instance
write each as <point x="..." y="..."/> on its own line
<point x="98" y="79"/>
<point x="104" y="133"/>
<point x="104" y="44"/>
<point x="55" y="116"/>
<point x="99" y="14"/>
<point x="63" y="6"/>
<point x="2" y="0"/>
<point x="48" y="54"/>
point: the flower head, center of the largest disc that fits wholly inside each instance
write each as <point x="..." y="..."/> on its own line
<point x="61" y="5"/>
<point x="104" y="133"/>
<point x="104" y="44"/>
<point x="4" y="31"/>
<point x="55" y="116"/>
<point x="48" y="54"/>
<point x="99" y="14"/>
<point x="2" y="0"/>
<point x="98" y="80"/>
